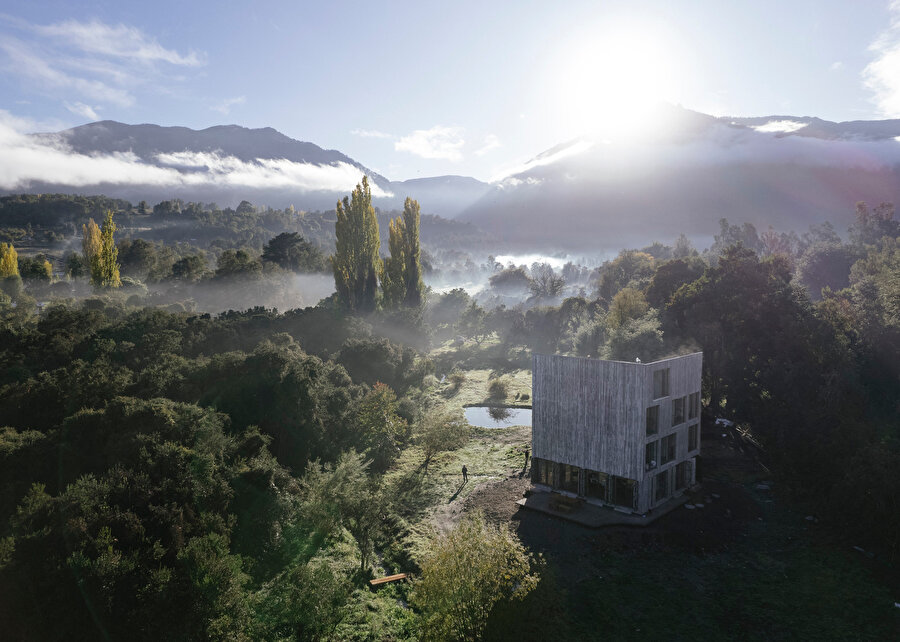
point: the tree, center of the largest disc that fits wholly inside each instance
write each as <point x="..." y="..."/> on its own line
<point x="401" y="276"/>
<point x="511" y="280"/>
<point x="290" y="251"/>
<point x="872" y="225"/>
<point x="626" y="305"/>
<point x="190" y="269"/>
<point x="441" y="431"/>
<point x="109" y="270"/>
<point x="100" y="253"/>
<point x="381" y="430"/>
<point x="465" y="573"/>
<point x="355" y="262"/>
<point x="545" y="283"/>
<point x="237" y="264"/>
<point x="9" y="260"/>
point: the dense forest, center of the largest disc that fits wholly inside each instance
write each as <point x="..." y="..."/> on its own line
<point x="168" y="472"/>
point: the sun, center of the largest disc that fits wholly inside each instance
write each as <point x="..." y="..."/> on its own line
<point x="610" y="83"/>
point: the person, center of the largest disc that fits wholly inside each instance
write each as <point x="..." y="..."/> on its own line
<point x="465" y="474"/>
<point x="527" y="452"/>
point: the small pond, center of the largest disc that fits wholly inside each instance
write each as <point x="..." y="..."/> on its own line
<point x="497" y="416"/>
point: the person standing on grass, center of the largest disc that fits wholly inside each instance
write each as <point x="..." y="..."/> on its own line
<point x="465" y="474"/>
<point x="527" y="452"/>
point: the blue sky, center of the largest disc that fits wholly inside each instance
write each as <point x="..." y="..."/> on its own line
<point x="415" y="89"/>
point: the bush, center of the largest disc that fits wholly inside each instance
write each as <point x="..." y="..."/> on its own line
<point x="498" y="390"/>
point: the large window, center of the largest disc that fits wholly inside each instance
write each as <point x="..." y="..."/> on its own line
<point x="652" y="420"/>
<point x="661" y="383"/>
<point x="668" y="449"/>
<point x="568" y="478"/>
<point x="694" y="405"/>
<point x="662" y="485"/>
<point x="623" y="492"/>
<point x="678" y="411"/>
<point x="596" y="485"/>
<point x="692" y="437"/>
<point x="651" y="455"/>
<point x="542" y="471"/>
<point x="683" y="474"/>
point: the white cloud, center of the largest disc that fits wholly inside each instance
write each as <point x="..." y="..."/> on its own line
<point x="780" y="126"/>
<point x="116" y="41"/>
<point x="490" y="142"/>
<point x="439" y="142"/>
<point x="226" y="105"/>
<point x="370" y="133"/>
<point x="80" y="109"/>
<point x="836" y="66"/>
<point x="882" y="75"/>
<point x="88" y="62"/>
<point x="25" y="159"/>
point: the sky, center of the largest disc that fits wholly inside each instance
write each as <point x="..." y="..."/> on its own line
<point x="415" y="89"/>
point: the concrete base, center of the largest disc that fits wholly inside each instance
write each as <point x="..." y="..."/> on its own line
<point x="594" y="516"/>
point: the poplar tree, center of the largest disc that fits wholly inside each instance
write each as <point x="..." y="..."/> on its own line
<point x="401" y="278"/>
<point x="9" y="260"/>
<point x="355" y="262"/>
<point x="101" y="255"/>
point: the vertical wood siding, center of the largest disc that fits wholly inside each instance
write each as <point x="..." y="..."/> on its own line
<point x="591" y="413"/>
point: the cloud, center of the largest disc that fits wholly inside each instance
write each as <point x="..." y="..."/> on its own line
<point x="91" y="61"/>
<point x="836" y="66"/>
<point x="439" y="142"/>
<point x="25" y="160"/>
<point x="226" y="105"/>
<point x="882" y="75"/>
<point x="370" y="133"/>
<point x="81" y="109"/>
<point x="780" y="126"/>
<point x="490" y="142"/>
<point x="116" y="41"/>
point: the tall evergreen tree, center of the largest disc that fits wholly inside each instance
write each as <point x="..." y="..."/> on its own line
<point x="90" y="248"/>
<point x="355" y="262"/>
<point x="401" y="278"/>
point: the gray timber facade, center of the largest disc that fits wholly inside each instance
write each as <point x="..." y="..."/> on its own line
<point x="616" y="432"/>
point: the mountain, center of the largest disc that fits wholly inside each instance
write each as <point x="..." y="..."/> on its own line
<point x="683" y="171"/>
<point x="223" y="164"/>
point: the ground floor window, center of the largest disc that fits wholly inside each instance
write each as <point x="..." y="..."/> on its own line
<point x="596" y="485"/>
<point x="683" y="474"/>
<point x="623" y="492"/>
<point x="542" y="471"/>
<point x="662" y="485"/>
<point x="569" y="477"/>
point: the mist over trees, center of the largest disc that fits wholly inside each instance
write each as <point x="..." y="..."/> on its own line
<point x="167" y="472"/>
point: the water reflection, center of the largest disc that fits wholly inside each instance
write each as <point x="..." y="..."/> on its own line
<point x="497" y="417"/>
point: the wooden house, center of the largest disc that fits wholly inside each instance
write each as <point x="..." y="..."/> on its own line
<point x="615" y="432"/>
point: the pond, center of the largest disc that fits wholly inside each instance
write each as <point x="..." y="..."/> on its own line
<point x="497" y="416"/>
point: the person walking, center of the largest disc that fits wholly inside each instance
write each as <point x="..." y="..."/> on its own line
<point x="465" y="474"/>
<point x="527" y="452"/>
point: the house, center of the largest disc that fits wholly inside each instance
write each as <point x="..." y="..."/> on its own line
<point x="613" y="432"/>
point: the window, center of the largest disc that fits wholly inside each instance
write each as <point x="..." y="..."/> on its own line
<point x="668" y="449"/>
<point x="542" y="471"/>
<point x="623" y="492"/>
<point x="596" y="484"/>
<point x="569" y="478"/>
<point x="652" y="420"/>
<point x="678" y="411"/>
<point x="661" y="383"/>
<point x="683" y="475"/>
<point x="651" y="455"/>
<point x="692" y="437"/>
<point x="694" y="405"/>
<point x="662" y="485"/>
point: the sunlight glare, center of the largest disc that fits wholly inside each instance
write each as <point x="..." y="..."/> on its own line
<point x="612" y="84"/>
